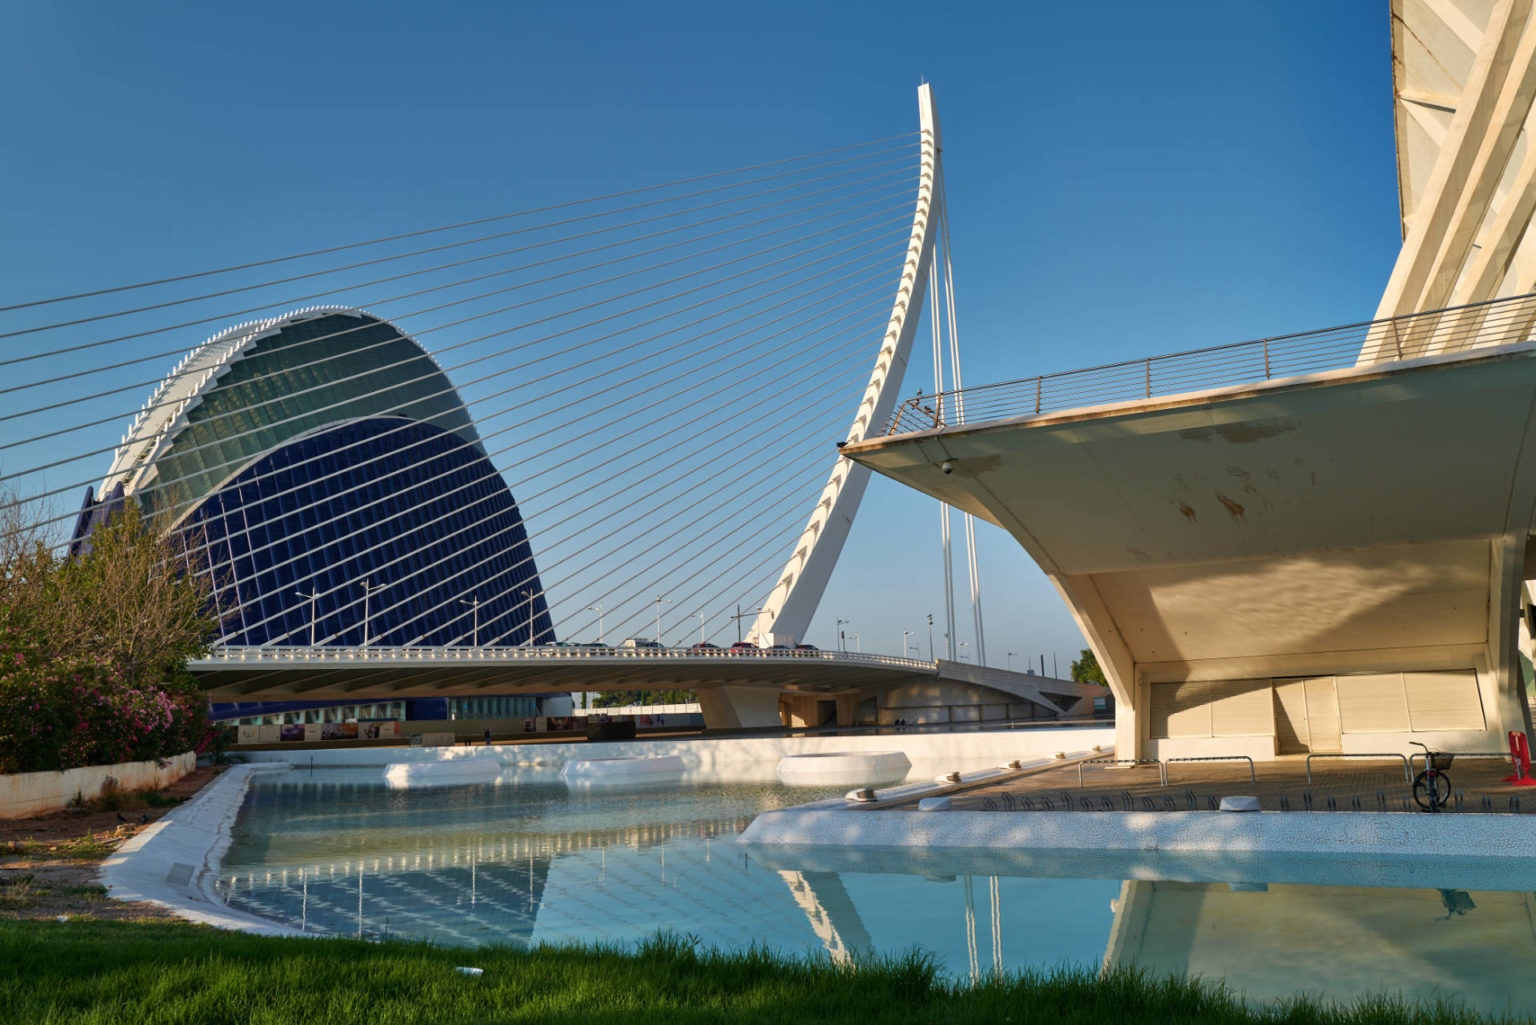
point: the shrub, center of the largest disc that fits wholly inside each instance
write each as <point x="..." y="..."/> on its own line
<point x="93" y="651"/>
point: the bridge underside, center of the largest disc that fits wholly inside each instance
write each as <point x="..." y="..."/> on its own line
<point x="1324" y="564"/>
<point x="735" y="691"/>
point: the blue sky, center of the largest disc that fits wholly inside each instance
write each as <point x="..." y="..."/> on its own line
<point x="1124" y="179"/>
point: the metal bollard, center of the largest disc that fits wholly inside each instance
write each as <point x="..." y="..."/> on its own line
<point x="1285" y="803"/>
<point x="1381" y="801"/>
<point x="1306" y="799"/>
<point x="1354" y="803"/>
<point x="1332" y="804"/>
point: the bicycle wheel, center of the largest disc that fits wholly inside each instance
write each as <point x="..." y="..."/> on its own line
<point x="1431" y="792"/>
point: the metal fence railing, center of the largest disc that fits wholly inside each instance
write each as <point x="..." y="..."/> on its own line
<point x="543" y="653"/>
<point x="1379" y="756"/>
<point x="1480" y="326"/>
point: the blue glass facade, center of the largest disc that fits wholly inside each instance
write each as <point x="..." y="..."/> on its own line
<point x="316" y="451"/>
<point x="415" y="510"/>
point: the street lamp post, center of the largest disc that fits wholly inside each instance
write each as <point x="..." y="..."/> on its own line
<point x="904" y="635"/>
<point x="963" y="656"/>
<point x="701" y="626"/>
<point x="739" y="616"/>
<point x="660" y="601"/>
<point x="930" y="636"/>
<point x="1010" y="660"/>
<point x="474" y="638"/>
<point x="858" y="639"/>
<point x="311" y="596"/>
<point x="599" y="610"/>
<point x="842" y="642"/>
<point x="367" y="593"/>
<point x="529" y="595"/>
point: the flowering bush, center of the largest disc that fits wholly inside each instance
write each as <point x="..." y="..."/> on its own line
<point x="93" y="652"/>
<point x="74" y="711"/>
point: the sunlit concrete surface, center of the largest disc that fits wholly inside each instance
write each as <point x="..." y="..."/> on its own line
<point x="1322" y="563"/>
<point x="174" y="862"/>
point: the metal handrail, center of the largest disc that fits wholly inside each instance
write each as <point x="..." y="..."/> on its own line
<point x="1162" y="770"/>
<point x="1378" y="343"/>
<point x="1407" y="772"/>
<point x="382" y="653"/>
<point x="1503" y="755"/>
<point x="1252" y="776"/>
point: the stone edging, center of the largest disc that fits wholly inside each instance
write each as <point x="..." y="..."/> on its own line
<point x="175" y="861"/>
<point x="1489" y="836"/>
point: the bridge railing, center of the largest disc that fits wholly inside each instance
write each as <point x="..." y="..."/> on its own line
<point x="1437" y="332"/>
<point x="545" y="653"/>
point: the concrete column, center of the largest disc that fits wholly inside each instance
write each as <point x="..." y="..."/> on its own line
<point x="739" y="707"/>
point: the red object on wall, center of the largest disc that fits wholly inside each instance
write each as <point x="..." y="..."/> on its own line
<point x="1520" y="757"/>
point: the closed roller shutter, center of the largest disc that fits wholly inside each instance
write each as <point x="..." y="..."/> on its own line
<point x="1242" y="708"/>
<point x="1322" y="715"/>
<point x="1447" y="700"/>
<point x="1372" y="704"/>
<point x="1180" y="710"/>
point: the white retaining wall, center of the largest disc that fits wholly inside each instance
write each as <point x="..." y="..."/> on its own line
<point x="37" y="793"/>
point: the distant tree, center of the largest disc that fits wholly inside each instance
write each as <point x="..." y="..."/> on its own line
<point x="619" y="698"/>
<point x="1086" y="669"/>
<point x="137" y="599"/>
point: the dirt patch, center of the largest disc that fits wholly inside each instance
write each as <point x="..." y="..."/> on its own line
<point x="48" y="865"/>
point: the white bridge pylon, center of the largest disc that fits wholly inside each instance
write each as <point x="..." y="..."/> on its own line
<point x="789" y="607"/>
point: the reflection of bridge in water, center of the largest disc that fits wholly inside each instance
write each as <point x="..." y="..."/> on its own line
<point x="1330" y="925"/>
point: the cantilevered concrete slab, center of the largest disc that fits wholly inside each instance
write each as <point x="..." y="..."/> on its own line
<point x="1327" y="563"/>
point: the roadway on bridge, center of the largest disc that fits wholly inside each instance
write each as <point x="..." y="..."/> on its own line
<point x="247" y="674"/>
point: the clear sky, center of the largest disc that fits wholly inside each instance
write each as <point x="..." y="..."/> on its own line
<point x="1124" y="179"/>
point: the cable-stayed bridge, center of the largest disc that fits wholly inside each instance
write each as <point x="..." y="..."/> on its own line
<point x="477" y="444"/>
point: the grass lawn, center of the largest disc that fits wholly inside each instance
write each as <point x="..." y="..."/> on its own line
<point x="125" y="972"/>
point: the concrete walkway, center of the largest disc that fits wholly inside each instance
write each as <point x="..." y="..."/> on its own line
<point x="174" y="862"/>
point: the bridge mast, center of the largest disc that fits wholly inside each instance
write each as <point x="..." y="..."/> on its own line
<point x="792" y="603"/>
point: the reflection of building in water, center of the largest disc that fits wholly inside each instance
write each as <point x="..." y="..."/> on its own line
<point x="1337" y="941"/>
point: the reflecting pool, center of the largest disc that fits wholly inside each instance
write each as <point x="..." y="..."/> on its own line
<point x="529" y="860"/>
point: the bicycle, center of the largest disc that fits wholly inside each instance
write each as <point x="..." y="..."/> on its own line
<point x="1432" y="787"/>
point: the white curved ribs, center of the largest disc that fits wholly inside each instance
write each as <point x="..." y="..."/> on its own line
<point x="789" y="608"/>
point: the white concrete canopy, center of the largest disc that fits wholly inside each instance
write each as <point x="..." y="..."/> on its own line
<point x="1355" y="522"/>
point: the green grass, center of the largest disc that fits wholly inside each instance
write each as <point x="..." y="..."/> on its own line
<point x="122" y="973"/>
